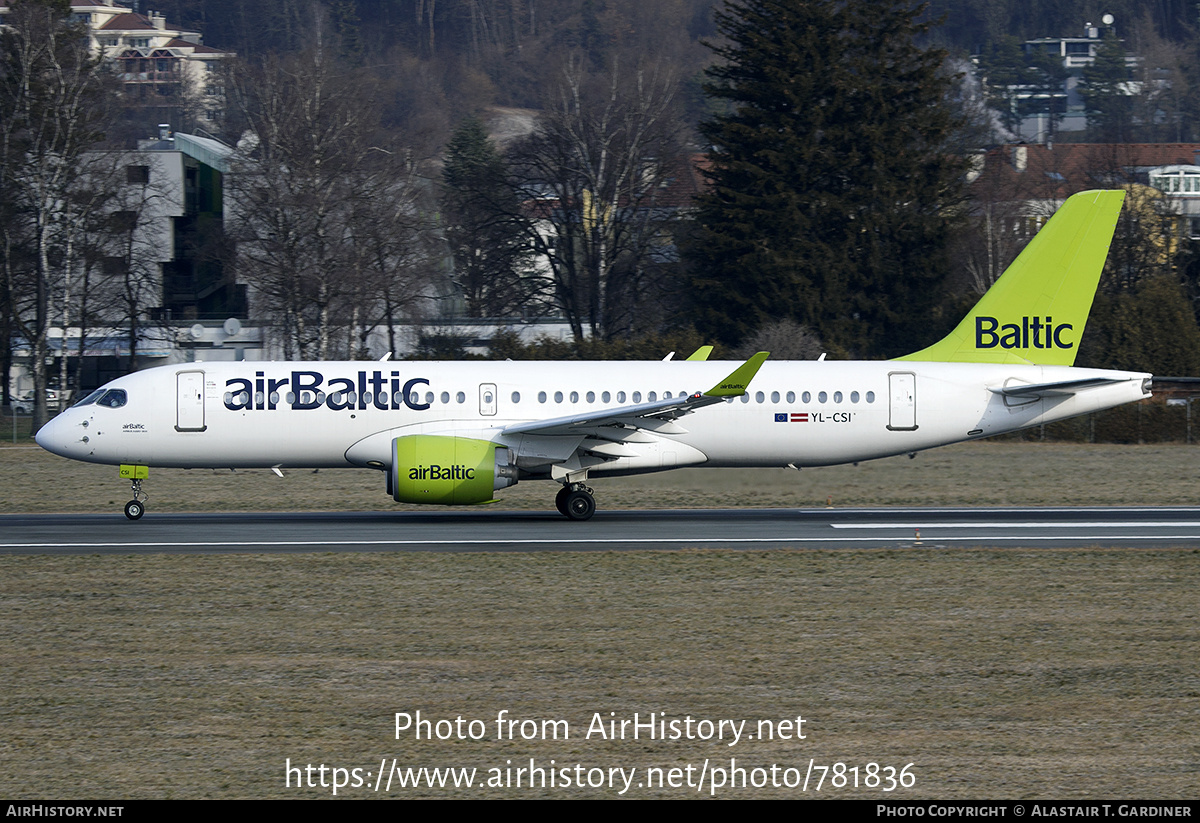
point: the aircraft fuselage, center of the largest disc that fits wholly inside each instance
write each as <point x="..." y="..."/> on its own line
<point x="346" y="414"/>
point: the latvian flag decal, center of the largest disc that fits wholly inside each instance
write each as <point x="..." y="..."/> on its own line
<point x="794" y="417"/>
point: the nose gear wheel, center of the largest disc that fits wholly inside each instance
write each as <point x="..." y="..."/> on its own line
<point x="136" y="507"/>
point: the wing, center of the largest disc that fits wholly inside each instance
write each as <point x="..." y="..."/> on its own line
<point x="572" y="445"/>
<point x="658" y="416"/>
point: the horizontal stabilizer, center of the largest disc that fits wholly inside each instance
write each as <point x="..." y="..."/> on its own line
<point x="1063" y="388"/>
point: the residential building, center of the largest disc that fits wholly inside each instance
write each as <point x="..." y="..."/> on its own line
<point x="164" y="68"/>
<point x="1042" y="176"/>
<point x="1060" y="108"/>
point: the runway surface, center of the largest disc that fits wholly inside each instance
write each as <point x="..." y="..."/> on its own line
<point x="492" y="530"/>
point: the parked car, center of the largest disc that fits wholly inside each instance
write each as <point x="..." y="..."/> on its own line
<point x="54" y="401"/>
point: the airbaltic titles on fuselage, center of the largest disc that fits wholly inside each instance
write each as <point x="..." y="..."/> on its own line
<point x="307" y="390"/>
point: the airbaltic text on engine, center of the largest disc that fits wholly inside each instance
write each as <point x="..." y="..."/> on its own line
<point x="1013" y="336"/>
<point x="436" y="472"/>
<point x="310" y="390"/>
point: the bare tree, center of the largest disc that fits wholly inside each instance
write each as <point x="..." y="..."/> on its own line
<point x="594" y="176"/>
<point x="393" y="251"/>
<point x="294" y="188"/>
<point x="52" y="109"/>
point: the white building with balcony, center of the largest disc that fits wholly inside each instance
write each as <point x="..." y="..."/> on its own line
<point x="161" y="66"/>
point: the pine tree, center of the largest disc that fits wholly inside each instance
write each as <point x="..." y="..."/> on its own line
<point x="830" y="189"/>
<point x="483" y="228"/>
<point x="1105" y="89"/>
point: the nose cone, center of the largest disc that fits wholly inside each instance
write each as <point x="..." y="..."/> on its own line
<point x="58" y="436"/>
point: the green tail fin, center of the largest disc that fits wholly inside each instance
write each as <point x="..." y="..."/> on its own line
<point x="1036" y="311"/>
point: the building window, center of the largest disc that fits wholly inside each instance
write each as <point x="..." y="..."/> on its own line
<point x="113" y="266"/>
<point x="123" y="221"/>
<point x="138" y="175"/>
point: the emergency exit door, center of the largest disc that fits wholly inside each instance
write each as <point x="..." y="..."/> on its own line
<point x="487" y="399"/>
<point x="902" y="403"/>
<point x="189" y="395"/>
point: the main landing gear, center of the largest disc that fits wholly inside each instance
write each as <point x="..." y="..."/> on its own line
<point x="575" y="501"/>
<point x="136" y="507"/>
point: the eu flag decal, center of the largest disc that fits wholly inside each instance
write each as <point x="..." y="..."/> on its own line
<point x="781" y="417"/>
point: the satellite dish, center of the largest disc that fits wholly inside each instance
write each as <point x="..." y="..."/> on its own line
<point x="197" y="331"/>
<point x="232" y="326"/>
<point x="1107" y="19"/>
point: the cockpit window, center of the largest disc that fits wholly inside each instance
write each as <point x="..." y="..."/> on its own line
<point x="91" y="398"/>
<point x="113" y="398"/>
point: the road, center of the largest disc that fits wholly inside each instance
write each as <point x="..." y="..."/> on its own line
<point x="494" y="530"/>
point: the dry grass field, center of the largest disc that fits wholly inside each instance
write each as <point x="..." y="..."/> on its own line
<point x="997" y="673"/>
<point x="969" y="474"/>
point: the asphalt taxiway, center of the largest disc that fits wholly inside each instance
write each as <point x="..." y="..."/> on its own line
<point x="493" y="530"/>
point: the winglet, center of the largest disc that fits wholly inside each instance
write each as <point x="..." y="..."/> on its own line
<point x="735" y="384"/>
<point x="701" y="353"/>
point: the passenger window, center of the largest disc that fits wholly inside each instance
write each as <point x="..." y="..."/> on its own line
<point x="806" y="397"/>
<point x="558" y="397"/>
<point x="620" y="397"/>
<point x="870" y="397"/>
<point x="822" y="397"/>
<point x="791" y="397"/>
<point x="652" y="396"/>
<point x="574" y="397"/>
<point x="837" y="397"/>
<point x="774" y="397"/>
<point x="461" y="397"/>
<point x="637" y="397"/>
<point x="516" y="397"/>
<point x="759" y="397"/>
<point x="541" y="397"/>
<point x="605" y="397"/>
<point x="853" y="397"/>
<point x="445" y="398"/>
<point x="591" y="397"/>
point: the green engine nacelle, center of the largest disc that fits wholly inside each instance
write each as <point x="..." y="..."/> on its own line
<point x="448" y="470"/>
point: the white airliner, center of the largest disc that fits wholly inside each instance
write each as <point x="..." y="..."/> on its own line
<point x="455" y="433"/>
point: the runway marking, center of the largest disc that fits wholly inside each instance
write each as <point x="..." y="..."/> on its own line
<point x="1165" y="524"/>
<point x="580" y="541"/>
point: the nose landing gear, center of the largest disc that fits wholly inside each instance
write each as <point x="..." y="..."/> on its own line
<point x="136" y="507"/>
